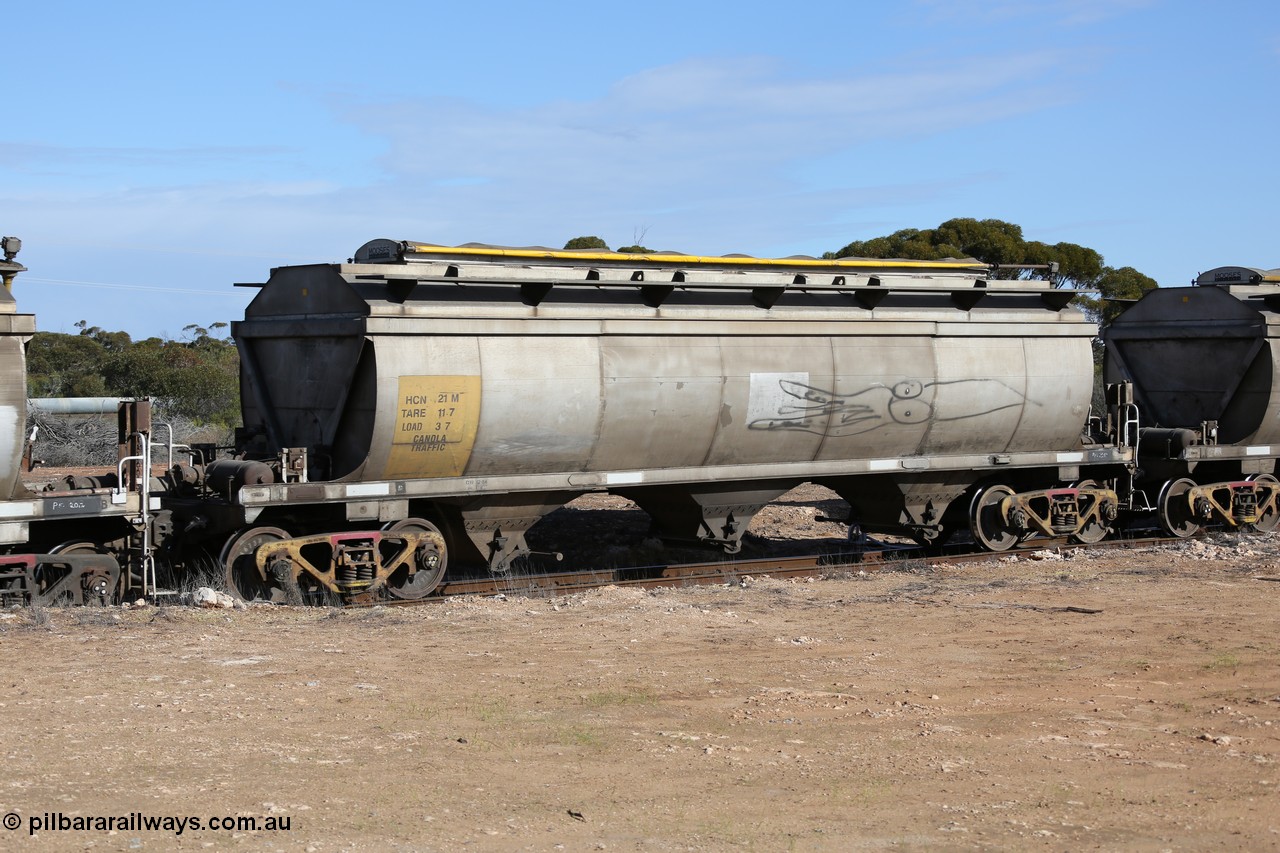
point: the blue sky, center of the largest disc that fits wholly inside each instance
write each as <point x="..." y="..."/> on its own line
<point x="151" y="154"/>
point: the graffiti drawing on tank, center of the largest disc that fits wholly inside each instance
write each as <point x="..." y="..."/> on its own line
<point x="808" y="408"/>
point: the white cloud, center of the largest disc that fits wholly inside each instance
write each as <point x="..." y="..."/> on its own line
<point x="703" y="151"/>
<point x="700" y="141"/>
<point x="704" y="156"/>
<point x="681" y="116"/>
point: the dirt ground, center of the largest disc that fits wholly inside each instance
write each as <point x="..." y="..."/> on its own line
<point x="936" y="706"/>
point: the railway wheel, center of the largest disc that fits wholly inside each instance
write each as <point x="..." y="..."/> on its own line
<point x="986" y="523"/>
<point x="1175" y="514"/>
<point x="1268" y="519"/>
<point x="1094" y="530"/>
<point x="52" y="588"/>
<point x="430" y="562"/>
<point x="58" y="585"/>
<point x="241" y="570"/>
<point x="97" y="585"/>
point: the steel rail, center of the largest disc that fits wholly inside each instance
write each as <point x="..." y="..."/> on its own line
<point x="536" y="585"/>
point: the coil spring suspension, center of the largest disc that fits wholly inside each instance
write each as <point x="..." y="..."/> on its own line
<point x="354" y="566"/>
<point x="1064" y="514"/>
<point x="1244" y="509"/>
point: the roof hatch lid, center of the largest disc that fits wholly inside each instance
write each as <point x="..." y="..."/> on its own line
<point x="1219" y="276"/>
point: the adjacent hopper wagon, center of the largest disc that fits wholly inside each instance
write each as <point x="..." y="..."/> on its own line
<point x="1201" y="363"/>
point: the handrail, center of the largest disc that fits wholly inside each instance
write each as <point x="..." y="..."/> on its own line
<point x="118" y="495"/>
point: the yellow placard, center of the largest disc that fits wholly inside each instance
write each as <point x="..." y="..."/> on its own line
<point x="435" y="426"/>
